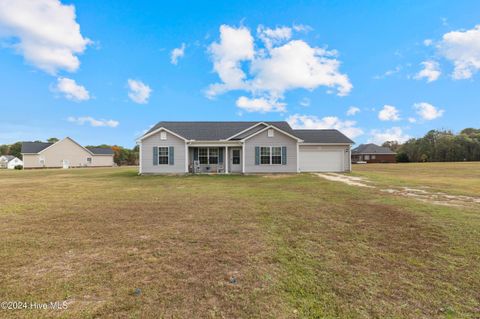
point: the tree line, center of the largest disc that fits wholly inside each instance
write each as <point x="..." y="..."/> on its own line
<point x="122" y="155"/>
<point x="439" y="146"/>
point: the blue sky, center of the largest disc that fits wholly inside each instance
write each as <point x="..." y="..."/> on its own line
<point x="307" y="62"/>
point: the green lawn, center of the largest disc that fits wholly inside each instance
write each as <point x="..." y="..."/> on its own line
<point x="298" y="246"/>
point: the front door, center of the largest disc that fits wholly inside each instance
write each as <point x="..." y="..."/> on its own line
<point x="66" y="164"/>
<point x="235" y="160"/>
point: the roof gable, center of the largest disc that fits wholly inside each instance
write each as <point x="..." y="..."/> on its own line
<point x="38" y="147"/>
<point x="212" y="131"/>
<point x="66" y="140"/>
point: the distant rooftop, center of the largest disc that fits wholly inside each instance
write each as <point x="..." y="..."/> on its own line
<point x="372" y="149"/>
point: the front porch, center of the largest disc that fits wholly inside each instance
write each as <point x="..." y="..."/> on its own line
<point x="215" y="158"/>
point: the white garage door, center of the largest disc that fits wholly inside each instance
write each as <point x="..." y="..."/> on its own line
<point x="314" y="160"/>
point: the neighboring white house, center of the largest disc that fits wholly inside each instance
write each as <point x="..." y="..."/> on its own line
<point x="9" y="161"/>
<point x="241" y="147"/>
<point x="65" y="153"/>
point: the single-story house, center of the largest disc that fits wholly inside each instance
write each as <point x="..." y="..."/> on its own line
<point x="241" y="147"/>
<point x="372" y="153"/>
<point x="9" y="161"/>
<point x="64" y="153"/>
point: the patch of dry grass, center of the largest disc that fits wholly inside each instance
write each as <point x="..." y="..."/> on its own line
<point x="460" y="178"/>
<point x="297" y="246"/>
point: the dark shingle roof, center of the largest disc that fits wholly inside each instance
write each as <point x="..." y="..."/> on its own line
<point x="322" y="136"/>
<point x="213" y="131"/>
<point x="371" y="149"/>
<point x="34" y="147"/>
<point x="100" y="150"/>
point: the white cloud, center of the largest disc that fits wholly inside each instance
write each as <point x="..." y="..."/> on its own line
<point x="261" y="105"/>
<point x="389" y="113"/>
<point x="177" y="53"/>
<point x="391" y="134"/>
<point x="431" y="71"/>
<point x="274" y="69"/>
<point x="302" y="28"/>
<point x="427" y="111"/>
<point x="463" y="49"/>
<point x="71" y="90"/>
<point x="298" y="65"/>
<point x="92" y="121"/>
<point x="272" y="37"/>
<point x="412" y="120"/>
<point x="330" y="122"/>
<point x="427" y="42"/>
<point x="352" y="110"/>
<point x="45" y="32"/>
<point x="305" y="102"/>
<point x="388" y="73"/>
<point x="139" y="92"/>
<point x="235" y="46"/>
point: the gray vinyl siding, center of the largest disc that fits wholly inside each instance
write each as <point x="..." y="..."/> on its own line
<point x="279" y="139"/>
<point x="155" y="141"/>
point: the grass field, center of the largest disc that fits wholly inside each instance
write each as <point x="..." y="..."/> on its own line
<point x="114" y="244"/>
<point x="461" y="178"/>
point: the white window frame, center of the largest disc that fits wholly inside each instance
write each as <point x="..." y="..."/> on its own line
<point x="233" y="157"/>
<point x="271" y="155"/>
<point x="163" y="135"/>
<point x="373" y="157"/>
<point x="208" y="156"/>
<point x="270" y="132"/>
<point x="366" y="157"/>
<point x="270" y="149"/>
<point x="168" y="155"/>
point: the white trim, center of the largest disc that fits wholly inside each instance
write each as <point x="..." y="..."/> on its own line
<point x="140" y="158"/>
<point x="275" y="128"/>
<point x="213" y="144"/>
<point x="158" y="130"/>
<point x="226" y="159"/>
<point x="247" y="129"/>
<point x="186" y="157"/>
<point x="243" y="158"/>
<point x="349" y="159"/>
<point x="298" y="158"/>
<point x="46" y="148"/>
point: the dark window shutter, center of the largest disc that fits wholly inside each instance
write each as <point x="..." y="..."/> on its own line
<point x="195" y="154"/>
<point x="257" y="155"/>
<point x="220" y="155"/>
<point x="155" y="155"/>
<point x="284" y="155"/>
<point x="171" y="155"/>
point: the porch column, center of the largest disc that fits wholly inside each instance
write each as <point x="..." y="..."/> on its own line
<point x="226" y="159"/>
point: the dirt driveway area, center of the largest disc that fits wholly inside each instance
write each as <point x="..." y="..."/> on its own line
<point x="423" y="194"/>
